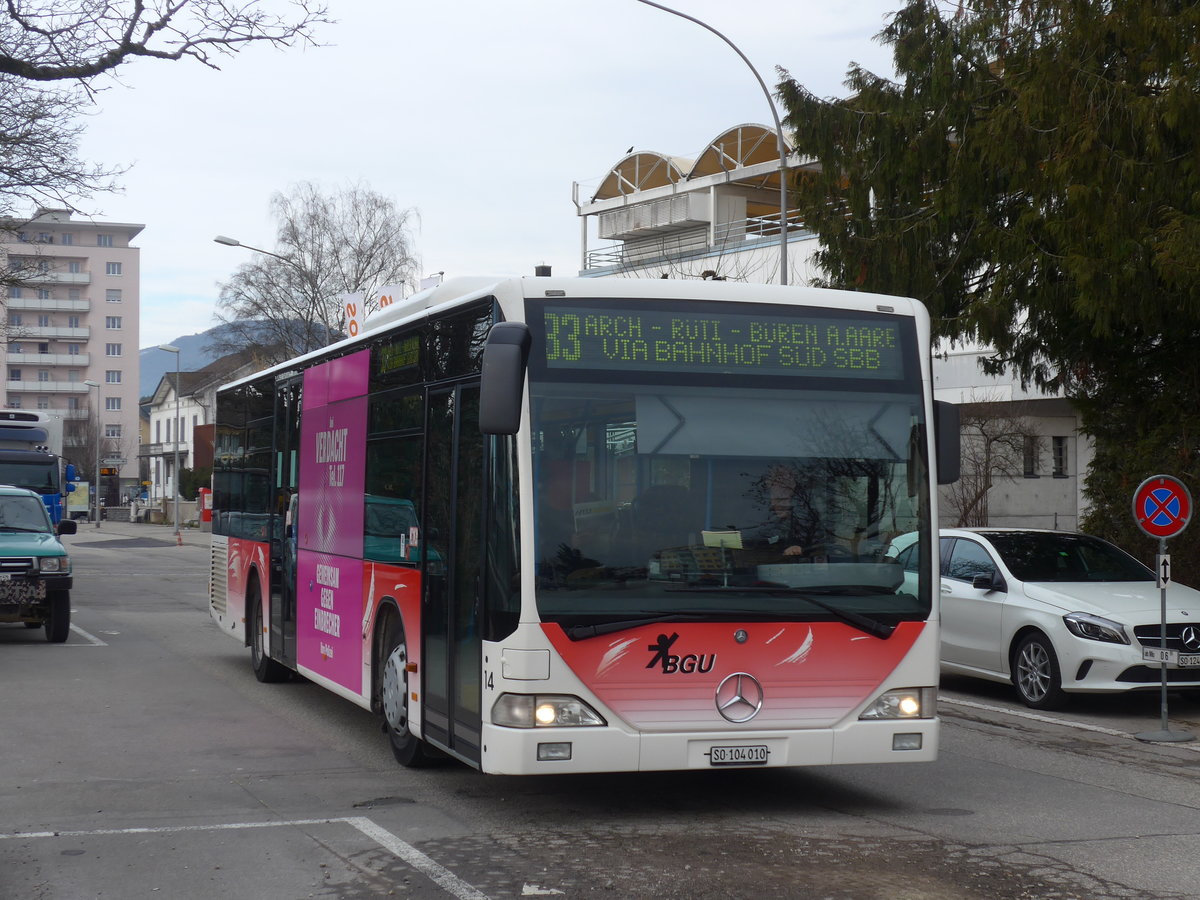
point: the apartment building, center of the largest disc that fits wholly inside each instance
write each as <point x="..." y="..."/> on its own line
<point x="71" y="317"/>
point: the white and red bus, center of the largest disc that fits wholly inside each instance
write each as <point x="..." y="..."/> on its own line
<point x="549" y="525"/>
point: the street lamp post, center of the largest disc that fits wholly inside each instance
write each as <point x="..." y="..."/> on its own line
<point x="305" y="273"/>
<point x="96" y="476"/>
<point x="170" y="348"/>
<point x="780" y="146"/>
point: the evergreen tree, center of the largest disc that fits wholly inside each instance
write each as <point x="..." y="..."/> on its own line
<point x="1032" y="175"/>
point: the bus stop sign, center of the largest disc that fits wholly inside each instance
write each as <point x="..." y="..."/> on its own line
<point x="1162" y="506"/>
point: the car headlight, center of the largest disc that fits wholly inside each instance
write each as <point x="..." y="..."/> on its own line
<point x="1095" y="628"/>
<point x="57" y="565"/>
<point x="903" y="703"/>
<point x="543" y="711"/>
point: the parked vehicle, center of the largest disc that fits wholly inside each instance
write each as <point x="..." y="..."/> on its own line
<point x="1057" y="613"/>
<point x="35" y="570"/>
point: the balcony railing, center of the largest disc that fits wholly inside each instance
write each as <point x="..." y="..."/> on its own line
<point x="48" y="359"/>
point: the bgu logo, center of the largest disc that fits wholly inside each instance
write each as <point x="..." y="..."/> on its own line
<point x="673" y="664"/>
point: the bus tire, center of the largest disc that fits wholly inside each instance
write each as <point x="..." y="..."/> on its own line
<point x="408" y="749"/>
<point x="266" y="670"/>
<point x="58" y="616"/>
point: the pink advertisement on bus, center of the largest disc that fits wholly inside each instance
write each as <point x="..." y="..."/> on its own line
<point x="329" y="567"/>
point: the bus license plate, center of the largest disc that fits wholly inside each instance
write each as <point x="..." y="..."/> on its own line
<point x="748" y="755"/>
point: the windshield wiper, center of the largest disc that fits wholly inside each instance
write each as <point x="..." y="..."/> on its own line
<point x="583" y="632"/>
<point x="20" y="528"/>
<point x="873" y="627"/>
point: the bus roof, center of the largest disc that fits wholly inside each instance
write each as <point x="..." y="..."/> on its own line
<point x="456" y="292"/>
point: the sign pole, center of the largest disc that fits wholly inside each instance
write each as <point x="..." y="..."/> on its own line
<point x="1162" y="507"/>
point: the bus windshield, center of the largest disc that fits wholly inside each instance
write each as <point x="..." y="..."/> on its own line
<point x="661" y="493"/>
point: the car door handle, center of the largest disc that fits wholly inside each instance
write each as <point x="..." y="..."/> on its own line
<point x="945" y="589"/>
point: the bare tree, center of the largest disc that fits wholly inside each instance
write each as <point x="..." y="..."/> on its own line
<point x="44" y="44"/>
<point x="995" y="439"/>
<point x="328" y="245"/>
<point x="48" y="40"/>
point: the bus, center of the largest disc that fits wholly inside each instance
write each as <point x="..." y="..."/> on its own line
<point x="31" y="444"/>
<point x="551" y="525"/>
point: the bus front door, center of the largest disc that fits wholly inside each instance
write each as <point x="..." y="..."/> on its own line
<point x="454" y="496"/>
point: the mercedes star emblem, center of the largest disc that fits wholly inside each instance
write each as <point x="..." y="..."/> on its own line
<point x="739" y="697"/>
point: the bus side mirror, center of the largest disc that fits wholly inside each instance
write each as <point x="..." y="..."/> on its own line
<point x="502" y="381"/>
<point x="71" y="473"/>
<point x="947" y="441"/>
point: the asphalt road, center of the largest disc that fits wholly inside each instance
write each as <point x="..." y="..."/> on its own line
<point x="141" y="759"/>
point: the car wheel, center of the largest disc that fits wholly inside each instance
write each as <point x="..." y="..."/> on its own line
<point x="408" y="749"/>
<point x="1036" y="674"/>
<point x="58" y="621"/>
<point x="266" y="670"/>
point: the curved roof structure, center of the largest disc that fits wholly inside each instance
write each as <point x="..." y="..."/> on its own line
<point x="641" y="171"/>
<point x="742" y="145"/>
<point x="735" y="148"/>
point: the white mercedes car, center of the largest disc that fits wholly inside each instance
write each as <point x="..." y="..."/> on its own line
<point x="1056" y="613"/>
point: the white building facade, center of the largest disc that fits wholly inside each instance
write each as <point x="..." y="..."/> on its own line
<point x="74" y="318"/>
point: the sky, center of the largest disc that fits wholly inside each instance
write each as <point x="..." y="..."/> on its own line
<point x="480" y="116"/>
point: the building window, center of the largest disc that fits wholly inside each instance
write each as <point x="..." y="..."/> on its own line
<point x="45" y="237"/>
<point x="158" y="432"/>
<point x="112" y="349"/>
<point x="113" y="376"/>
<point x="43" y="402"/>
<point x="112" y="323"/>
<point x="14" y="401"/>
<point x="44" y="347"/>
<point x="67" y="239"/>
<point x="112" y="295"/>
<point x="72" y="349"/>
<point x="73" y="403"/>
<point x="104" y="240"/>
<point x="112" y="268"/>
<point x="74" y="267"/>
<point x="43" y="321"/>
<point x="14" y="319"/>
<point x="1060" y="457"/>
<point x="43" y="374"/>
<point x="14" y="374"/>
<point x="73" y="376"/>
<point x="14" y="293"/>
<point x="112" y="403"/>
<point x="72" y="321"/>
<point x="43" y="294"/>
<point x="73" y="294"/>
<point x="1031" y="456"/>
<point x="43" y="267"/>
<point x="15" y="348"/>
<point x="112" y="431"/>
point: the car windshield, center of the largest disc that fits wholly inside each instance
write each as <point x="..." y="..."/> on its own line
<point x="23" y="514"/>
<point x="1044" y="556"/>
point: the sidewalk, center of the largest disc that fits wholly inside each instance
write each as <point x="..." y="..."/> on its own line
<point x="88" y="533"/>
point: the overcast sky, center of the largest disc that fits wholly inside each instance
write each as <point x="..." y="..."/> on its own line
<point x="479" y="115"/>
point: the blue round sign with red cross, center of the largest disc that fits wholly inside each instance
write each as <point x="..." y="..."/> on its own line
<point x="1162" y="506"/>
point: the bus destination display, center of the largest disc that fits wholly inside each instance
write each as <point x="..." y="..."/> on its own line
<point x="801" y="344"/>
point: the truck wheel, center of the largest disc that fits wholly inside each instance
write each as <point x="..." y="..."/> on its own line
<point x="58" y="619"/>
<point x="266" y="669"/>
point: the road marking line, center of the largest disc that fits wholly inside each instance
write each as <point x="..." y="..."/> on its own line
<point x="1051" y="720"/>
<point x="91" y="638"/>
<point x="438" y="874"/>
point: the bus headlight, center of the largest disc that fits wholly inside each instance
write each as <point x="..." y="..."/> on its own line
<point x="58" y="565"/>
<point x="543" y="711"/>
<point x="903" y="703"/>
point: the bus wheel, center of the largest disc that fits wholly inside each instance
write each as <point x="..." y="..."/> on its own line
<point x="58" y="620"/>
<point x="266" y="670"/>
<point x="409" y="750"/>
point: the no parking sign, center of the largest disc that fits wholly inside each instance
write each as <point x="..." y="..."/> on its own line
<point x="1162" y="506"/>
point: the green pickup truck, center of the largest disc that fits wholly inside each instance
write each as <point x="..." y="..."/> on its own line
<point x="35" y="571"/>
